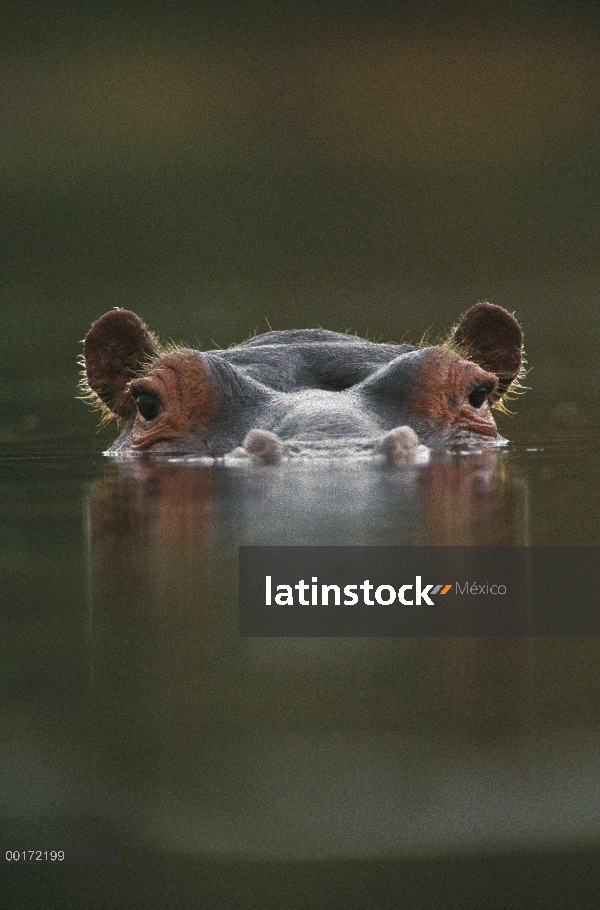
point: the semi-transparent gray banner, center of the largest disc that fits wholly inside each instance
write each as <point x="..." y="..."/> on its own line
<point x="420" y="591"/>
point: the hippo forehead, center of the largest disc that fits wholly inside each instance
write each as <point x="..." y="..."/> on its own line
<point x="315" y="387"/>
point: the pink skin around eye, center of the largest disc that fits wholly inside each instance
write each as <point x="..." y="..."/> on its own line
<point x="442" y="394"/>
<point x="187" y="395"/>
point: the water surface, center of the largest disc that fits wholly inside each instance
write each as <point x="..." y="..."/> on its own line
<point x="134" y="713"/>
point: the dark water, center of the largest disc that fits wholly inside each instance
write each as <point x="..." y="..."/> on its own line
<point x="285" y="772"/>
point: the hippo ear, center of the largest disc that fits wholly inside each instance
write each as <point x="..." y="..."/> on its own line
<point x="491" y="337"/>
<point x="116" y="348"/>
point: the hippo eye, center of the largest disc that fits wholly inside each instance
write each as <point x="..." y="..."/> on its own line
<point x="149" y="406"/>
<point x="478" y="396"/>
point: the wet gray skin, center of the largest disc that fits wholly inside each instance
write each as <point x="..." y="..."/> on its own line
<point x="304" y="393"/>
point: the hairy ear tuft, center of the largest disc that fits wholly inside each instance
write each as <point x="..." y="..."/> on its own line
<point x="117" y="347"/>
<point x="492" y="338"/>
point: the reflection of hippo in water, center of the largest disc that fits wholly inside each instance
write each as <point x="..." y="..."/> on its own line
<point x="305" y="391"/>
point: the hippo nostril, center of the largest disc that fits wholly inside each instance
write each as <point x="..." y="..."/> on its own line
<point x="399" y="445"/>
<point x="264" y="446"/>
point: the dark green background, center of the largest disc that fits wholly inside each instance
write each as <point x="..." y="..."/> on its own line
<point x="215" y="166"/>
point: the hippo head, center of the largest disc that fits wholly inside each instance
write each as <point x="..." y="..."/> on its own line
<point x="303" y="392"/>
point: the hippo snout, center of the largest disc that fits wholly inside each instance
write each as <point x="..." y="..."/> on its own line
<point x="320" y="415"/>
<point x="399" y="446"/>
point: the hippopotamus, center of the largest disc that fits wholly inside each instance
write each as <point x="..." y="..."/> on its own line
<point x="305" y="392"/>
